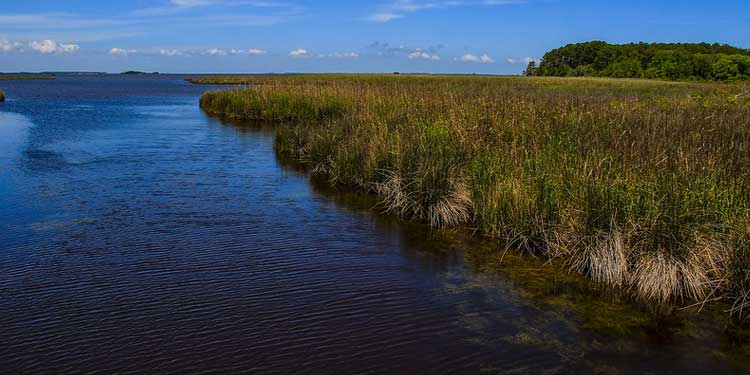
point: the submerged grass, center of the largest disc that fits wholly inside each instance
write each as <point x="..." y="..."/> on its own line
<point x="638" y="184"/>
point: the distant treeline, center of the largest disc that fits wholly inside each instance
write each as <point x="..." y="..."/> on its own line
<point x="672" y="61"/>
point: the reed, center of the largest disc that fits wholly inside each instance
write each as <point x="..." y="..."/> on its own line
<point x="638" y="184"/>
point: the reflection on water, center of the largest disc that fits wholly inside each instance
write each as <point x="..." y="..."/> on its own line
<point x="12" y="134"/>
<point x="585" y="329"/>
<point x="140" y="236"/>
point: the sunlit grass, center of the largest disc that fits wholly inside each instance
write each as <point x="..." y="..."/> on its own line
<point x="638" y="184"/>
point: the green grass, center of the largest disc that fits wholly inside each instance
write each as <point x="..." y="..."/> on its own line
<point x="317" y="105"/>
<point x="25" y="78"/>
<point x="638" y="184"/>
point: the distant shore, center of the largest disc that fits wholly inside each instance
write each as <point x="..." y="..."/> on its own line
<point x="26" y="78"/>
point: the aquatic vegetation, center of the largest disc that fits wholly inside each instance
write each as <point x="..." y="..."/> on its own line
<point x="2" y="96"/>
<point x="640" y="185"/>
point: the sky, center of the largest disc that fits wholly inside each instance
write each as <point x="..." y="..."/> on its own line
<point x="431" y="36"/>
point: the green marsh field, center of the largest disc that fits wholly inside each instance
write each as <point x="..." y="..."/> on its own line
<point x="642" y="186"/>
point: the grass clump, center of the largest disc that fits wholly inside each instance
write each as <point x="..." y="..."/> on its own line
<point x="275" y="105"/>
<point x="641" y="185"/>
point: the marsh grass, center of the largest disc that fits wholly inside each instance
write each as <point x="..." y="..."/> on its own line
<point x="640" y="185"/>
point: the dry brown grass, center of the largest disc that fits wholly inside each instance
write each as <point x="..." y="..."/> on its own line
<point x="663" y="277"/>
<point x="604" y="258"/>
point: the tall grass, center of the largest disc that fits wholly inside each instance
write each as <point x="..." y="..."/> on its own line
<point x="641" y="185"/>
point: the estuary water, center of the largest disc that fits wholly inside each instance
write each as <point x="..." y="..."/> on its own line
<point x="140" y="236"/>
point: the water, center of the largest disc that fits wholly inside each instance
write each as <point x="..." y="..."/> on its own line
<point x="138" y="235"/>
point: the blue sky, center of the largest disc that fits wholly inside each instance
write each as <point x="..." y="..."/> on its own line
<point x="471" y="36"/>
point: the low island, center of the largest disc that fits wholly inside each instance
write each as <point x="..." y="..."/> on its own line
<point x="24" y="77"/>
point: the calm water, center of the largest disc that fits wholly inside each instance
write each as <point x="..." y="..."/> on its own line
<point x="138" y="235"/>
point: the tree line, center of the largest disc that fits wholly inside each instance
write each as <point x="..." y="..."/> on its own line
<point x="671" y="61"/>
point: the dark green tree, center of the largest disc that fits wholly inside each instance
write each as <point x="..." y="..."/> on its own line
<point x="624" y="68"/>
<point x="674" y="61"/>
<point x="669" y="64"/>
<point x="531" y="69"/>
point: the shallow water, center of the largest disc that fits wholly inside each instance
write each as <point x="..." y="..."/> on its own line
<point x="140" y="236"/>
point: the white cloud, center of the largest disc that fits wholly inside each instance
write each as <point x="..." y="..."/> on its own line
<point x="171" y="52"/>
<point x="413" y="6"/>
<point x="121" y="52"/>
<point x="396" y="8"/>
<point x="257" y="4"/>
<point x="484" y="59"/>
<point x="57" y="21"/>
<point x="183" y="6"/>
<point x="255" y="51"/>
<point x="504" y="2"/>
<point x="384" y="17"/>
<point x="191" y="3"/>
<point x="216" y="52"/>
<point x="213" y="52"/>
<point x="45" y="46"/>
<point x="345" y="55"/>
<point x="50" y="46"/>
<point x="251" y="52"/>
<point x="421" y="55"/>
<point x="68" y="47"/>
<point x="525" y="60"/>
<point x="8" y="46"/>
<point x="299" y="52"/>
<point x="169" y="18"/>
